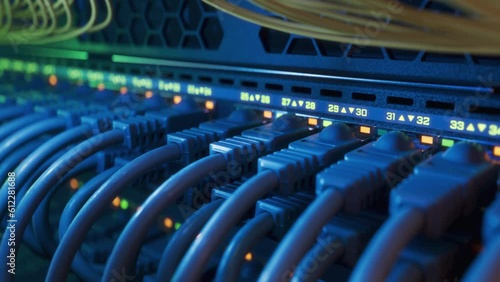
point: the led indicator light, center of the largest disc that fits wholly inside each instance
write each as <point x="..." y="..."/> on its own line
<point x="168" y="223"/>
<point x="365" y="129"/>
<point x="53" y="80"/>
<point x="268" y="114"/>
<point x="74" y="184"/>
<point x="327" y="123"/>
<point x="248" y="257"/>
<point x="447" y="142"/>
<point x="124" y="204"/>
<point x="123" y="90"/>
<point x="209" y="105"/>
<point x="116" y="202"/>
<point x="312" y="121"/>
<point x="177" y="99"/>
<point x="425" y="139"/>
<point x="496" y="151"/>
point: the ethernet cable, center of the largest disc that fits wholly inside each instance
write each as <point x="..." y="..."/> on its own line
<point x="40" y="219"/>
<point x="82" y="268"/>
<point x="35" y="130"/>
<point x="182" y="239"/>
<point x="346" y="185"/>
<point x="74" y="235"/>
<point x="26" y="168"/>
<point x="10" y="162"/>
<point x="439" y="192"/>
<point x="273" y="216"/>
<point x="50" y="177"/>
<point x="284" y="170"/>
<point x="485" y="267"/>
<point x="21" y="122"/>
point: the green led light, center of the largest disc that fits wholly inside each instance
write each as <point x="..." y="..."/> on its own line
<point x="124" y="204"/>
<point x="381" y="132"/>
<point x="447" y="142"/>
<point x="177" y="225"/>
<point x="55" y="53"/>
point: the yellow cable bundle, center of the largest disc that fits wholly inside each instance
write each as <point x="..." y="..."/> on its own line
<point x="387" y="23"/>
<point x="38" y="21"/>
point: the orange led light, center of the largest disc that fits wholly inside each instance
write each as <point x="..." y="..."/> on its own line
<point x="101" y="86"/>
<point x="148" y="94"/>
<point x="312" y="121"/>
<point x="496" y="151"/>
<point x="116" y="202"/>
<point x="425" y="139"/>
<point x="365" y="129"/>
<point x="209" y="105"/>
<point x="248" y="257"/>
<point x="73" y="183"/>
<point x="53" y="80"/>
<point x="123" y="90"/>
<point x="177" y="99"/>
<point x="168" y="223"/>
<point x="268" y="114"/>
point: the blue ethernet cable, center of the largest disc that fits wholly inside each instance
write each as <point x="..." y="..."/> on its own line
<point x="272" y="216"/>
<point x="8" y="164"/>
<point x="78" y="200"/>
<point x="438" y="193"/>
<point x="19" y="123"/>
<point x="232" y="260"/>
<point x="284" y="170"/>
<point x="11" y="143"/>
<point x="182" y="239"/>
<point x="25" y="169"/>
<point x="82" y="268"/>
<point x="485" y="267"/>
<point x="185" y="145"/>
<point x="263" y="139"/>
<point x="348" y="183"/>
<point x="13" y="112"/>
<point x="40" y="220"/>
<point x="44" y="184"/>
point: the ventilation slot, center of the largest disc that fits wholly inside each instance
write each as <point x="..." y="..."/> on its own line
<point x="187" y="77"/>
<point x="484" y="110"/>
<point x="226" y="81"/>
<point x="301" y="90"/>
<point x="399" y="101"/>
<point x="364" y="97"/>
<point x="205" y="79"/>
<point x="249" y="84"/>
<point x="331" y="93"/>
<point x="275" y="87"/>
<point x="439" y="105"/>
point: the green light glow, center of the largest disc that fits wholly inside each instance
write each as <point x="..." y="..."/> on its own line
<point x="447" y="142"/>
<point x="55" y="53"/>
<point x="177" y="225"/>
<point x="124" y="204"/>
<point x="381" y="132"/>
<point x="49" y="69"/>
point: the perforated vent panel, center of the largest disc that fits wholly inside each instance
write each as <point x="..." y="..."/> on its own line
<point x="165" y="24"/>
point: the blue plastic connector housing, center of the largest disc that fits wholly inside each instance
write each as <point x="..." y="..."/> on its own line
<point x="243" y="151"/>
<point x="446" y="186"/>
<point x="284" y="210"/>
<point x="297" y="165"/>
<point x="238" y="121"/>
<point x="434" y="258"/>
<point x="491" y="223"/>
<point x="184" y="115"/>
<point x="194" y="142"/>
<point x="367" y="172"/>
<point x="354" y="231"/>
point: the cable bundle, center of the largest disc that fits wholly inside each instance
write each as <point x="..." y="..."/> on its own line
<point x="45" y="21"/>
<point x="387" y="23"/>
